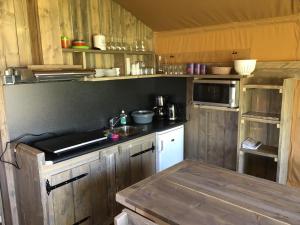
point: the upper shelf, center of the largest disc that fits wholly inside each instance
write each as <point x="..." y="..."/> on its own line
<point x="95" y="51"/>
<point x="211" y="76"/>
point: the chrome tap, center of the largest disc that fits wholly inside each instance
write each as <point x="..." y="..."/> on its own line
<point x="113" y="122"/>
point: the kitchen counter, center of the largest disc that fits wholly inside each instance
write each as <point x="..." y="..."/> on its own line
<point x="155" y="126"/>
<point x="194" y="193"/>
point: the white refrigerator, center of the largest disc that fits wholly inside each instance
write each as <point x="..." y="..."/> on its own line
<point x="169" y="147"/>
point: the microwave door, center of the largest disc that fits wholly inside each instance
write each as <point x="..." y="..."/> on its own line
<point x="212" y="92"/>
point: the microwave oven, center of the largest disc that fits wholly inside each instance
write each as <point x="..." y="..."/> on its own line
<point x="224" y="93"/>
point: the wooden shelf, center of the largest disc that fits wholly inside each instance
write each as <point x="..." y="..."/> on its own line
<point x="212" y="76"/>
<point x="263" y="86"/>
<point x="129" y="77"/>
<point x="95" y="51"/>
<point x="270" y="118"/>
<point x="264" y="150"/>
<point x="220" y="108"/>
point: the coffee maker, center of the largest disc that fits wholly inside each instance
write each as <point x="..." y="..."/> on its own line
<point x="160" y="107"/>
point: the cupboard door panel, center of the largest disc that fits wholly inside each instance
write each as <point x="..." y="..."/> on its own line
<point x="136" y="173"/>
<point x="82" y="194"/>
<point x="62" y="200"/>
<point x="148" y="158"/>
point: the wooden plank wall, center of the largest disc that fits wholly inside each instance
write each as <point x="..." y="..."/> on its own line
<point x="84" y="18"/>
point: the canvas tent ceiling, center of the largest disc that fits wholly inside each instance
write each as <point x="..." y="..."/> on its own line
<point x="162" y="15"/>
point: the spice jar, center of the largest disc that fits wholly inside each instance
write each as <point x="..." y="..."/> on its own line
<point x="65" y="42"/>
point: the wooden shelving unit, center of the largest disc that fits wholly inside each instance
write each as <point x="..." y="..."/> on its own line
<point x="80" y="56"/>
<point x="265" y="115"/>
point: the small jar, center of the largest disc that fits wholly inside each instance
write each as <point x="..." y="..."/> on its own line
<point x="65" y="42"/>
<point x="190" y="68"/>
<point x="197" y="68"/>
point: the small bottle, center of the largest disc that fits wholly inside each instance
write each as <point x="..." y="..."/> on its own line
<point x="123" y="118"/>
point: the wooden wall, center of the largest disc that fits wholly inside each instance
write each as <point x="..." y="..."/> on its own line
<point x="31" y="29"/>
<point x="84" y="18"/>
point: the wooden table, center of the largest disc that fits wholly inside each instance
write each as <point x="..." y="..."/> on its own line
<point x="196" y="193"/>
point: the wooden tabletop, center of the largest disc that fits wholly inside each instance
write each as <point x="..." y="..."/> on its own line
<point x="194" y="193"/>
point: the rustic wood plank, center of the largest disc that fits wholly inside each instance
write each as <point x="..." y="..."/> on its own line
<point x="23" y="35"/>
<point x="191" y="192"/>
<point x="50" y="31"/>
<point x="285" y="129"/>
<point x="28" y="186"/>
<point x="63" y="204"/>
<point x="82" y="194"/>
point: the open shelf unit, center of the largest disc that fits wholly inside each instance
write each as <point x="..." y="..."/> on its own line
<point x="80" y="57"/>
<point x="265" y="115"/>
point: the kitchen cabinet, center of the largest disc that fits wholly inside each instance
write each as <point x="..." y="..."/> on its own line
<point x="80" y="190"/>
<point x="136" y="161"/>
<point x="87" y="200"/>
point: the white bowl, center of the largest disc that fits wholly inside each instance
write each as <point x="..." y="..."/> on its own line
<point x="245" y="67"/>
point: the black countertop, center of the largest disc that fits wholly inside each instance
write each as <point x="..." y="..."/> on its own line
<point x="156" y="126"/>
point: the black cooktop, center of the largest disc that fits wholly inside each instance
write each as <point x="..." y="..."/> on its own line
<point x="69" y="142"/>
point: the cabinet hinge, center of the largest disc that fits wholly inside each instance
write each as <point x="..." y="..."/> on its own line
<point x="81" y="221"/>
<point x="144" y="151"/>
<point x="49" y="188"/>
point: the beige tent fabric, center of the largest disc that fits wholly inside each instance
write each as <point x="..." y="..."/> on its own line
<point x="294" y="161"/>
<point x="162" y="15"/>
<point x="266" y="40"/>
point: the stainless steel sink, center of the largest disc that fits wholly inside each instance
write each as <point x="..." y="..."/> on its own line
<point x="125" y="131"/>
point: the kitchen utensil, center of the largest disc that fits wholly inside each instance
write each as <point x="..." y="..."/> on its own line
<point x="221" y="70"/>
<point x="245" y="67"/>
<point x="142" y="116"/>
<point x="172" y="112"/>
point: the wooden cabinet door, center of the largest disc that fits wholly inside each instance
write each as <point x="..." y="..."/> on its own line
<point x="89" y="200"/>
<point x="104" y="187"/>
<point x="61" y="202"/>
<point x="135" y="161"/>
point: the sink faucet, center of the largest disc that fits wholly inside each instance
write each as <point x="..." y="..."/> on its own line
<point x="113" y="122"/>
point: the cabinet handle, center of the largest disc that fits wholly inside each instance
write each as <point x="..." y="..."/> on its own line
<point x="81" y="221"/>
<point x="172" y="140"/>
<point x="49" y="188"/>
<point x="144" y="151"/>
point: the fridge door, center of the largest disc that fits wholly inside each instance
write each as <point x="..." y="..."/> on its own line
<point x="169" y="148"/>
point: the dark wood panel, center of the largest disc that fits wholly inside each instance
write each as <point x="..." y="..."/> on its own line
<point x="211" y="136"/>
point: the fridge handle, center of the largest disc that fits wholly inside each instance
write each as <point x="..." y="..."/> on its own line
<point x="162" y="145"/>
